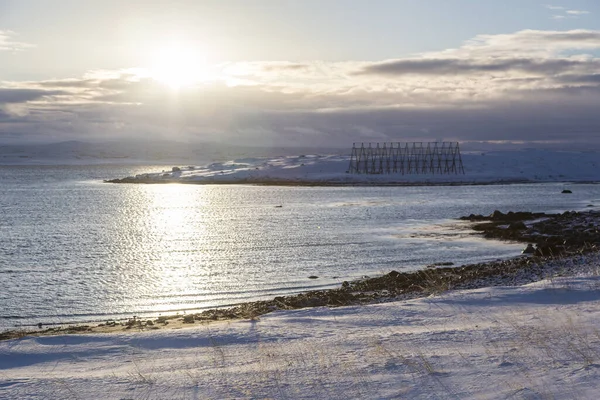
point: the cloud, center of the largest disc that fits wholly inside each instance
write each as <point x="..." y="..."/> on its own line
<point x="577" y="12"/>
<point x="8" y="44"/>
<point x="283" y="66"/>
<point x="8" y="95"/>
<point x="581" y="79"/>
<point x="562" y="13"/>
<point x="67" y="83"/>
<point x="530" y="43"/>
<point x="460" y="67"/>
<point x="528" y="86"/>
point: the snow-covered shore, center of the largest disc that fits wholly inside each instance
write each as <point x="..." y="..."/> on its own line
<point x="539" y="340"/>
<point x="480" y="168"/>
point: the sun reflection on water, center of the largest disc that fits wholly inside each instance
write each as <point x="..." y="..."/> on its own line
<point x="172" y="229"/>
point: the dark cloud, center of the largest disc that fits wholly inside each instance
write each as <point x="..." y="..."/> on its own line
<point x="578" y="36"/>
<point x="581" y="79"/>
<point x="67" y="83"/>
<point x="284" y="67"/>
<point x="24" y="95"/>
<point x="516" y="122"/>
<point x="253" y="115"/>
<point x="461" y="67"/>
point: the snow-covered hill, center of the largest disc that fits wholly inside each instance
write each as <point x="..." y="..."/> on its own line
<point x="480" y="167"/>
<point x="219" y="163"/>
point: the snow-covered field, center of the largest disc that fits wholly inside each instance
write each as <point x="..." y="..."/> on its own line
<point x="536" y="341"/>
<point x="480" y="167"/>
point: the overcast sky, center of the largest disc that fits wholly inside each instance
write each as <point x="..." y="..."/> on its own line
<point x="306" y="73"/>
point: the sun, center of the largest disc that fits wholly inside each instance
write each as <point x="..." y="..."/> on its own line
<point x="178" y="66"/>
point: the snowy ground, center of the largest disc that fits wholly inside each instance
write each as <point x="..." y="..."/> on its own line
<point x="480" y="167"/>
<point x="537" y="341"/>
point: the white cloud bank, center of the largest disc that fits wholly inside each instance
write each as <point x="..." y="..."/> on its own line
<point x="528" y="86"/>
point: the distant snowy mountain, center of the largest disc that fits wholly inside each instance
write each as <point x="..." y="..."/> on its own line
<point x="133" y="152"/>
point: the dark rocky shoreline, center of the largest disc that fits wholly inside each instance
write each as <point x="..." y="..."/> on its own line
<point x="555" y="239"/>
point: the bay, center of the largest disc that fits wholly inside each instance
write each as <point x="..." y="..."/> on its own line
<point x="75" y="249"/>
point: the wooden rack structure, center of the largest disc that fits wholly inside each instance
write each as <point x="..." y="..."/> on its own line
<point x="406" y="158"/>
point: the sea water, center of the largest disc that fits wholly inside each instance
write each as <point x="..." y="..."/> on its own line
<point x="75" y="249"/>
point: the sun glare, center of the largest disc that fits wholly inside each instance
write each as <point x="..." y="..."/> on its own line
<point x="178" y="66"/>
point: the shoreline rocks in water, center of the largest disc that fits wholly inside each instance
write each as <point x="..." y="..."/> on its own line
<point x="551" y="234"/>
<point x="557" y="239"/>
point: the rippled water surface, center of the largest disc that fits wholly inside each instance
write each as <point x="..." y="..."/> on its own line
<point x="75" y="249"/>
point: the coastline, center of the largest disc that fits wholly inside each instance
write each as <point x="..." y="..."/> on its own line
<point x="317" y="183"/>
<point x="311" y="183"/>
<point x="560" y="243"/>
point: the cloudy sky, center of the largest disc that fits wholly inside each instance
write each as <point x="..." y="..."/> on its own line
<point x="306" y="73"/>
